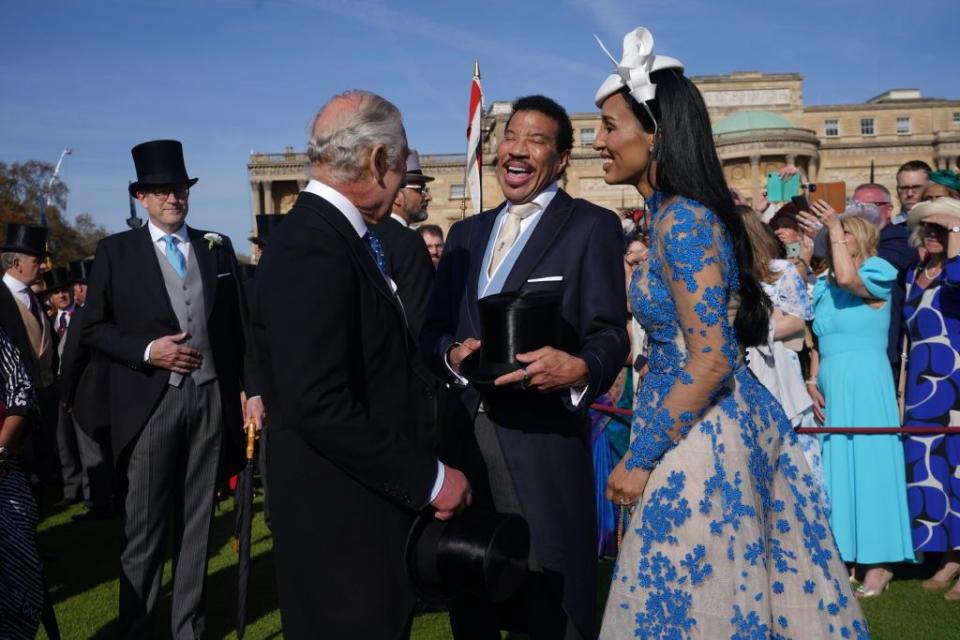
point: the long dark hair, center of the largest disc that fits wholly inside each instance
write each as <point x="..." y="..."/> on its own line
<point x="687" y="165"/>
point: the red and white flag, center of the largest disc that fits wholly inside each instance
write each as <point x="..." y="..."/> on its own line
<point x="474" y="184"/>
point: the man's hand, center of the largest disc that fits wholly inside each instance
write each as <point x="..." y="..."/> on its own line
<point x="547" y="369"/>
<point x="458" y="353"/>
<point x="454" y="496"/>
<point x="253" y="410"/>
<point x="167" y="353"/>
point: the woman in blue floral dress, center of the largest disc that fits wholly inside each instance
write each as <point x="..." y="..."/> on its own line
<point x="728" y="539"/>
<point x="932" y="315"/>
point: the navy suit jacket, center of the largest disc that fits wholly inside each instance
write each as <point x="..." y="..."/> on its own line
<point x="894" y="247"/>
<point x="545" y="439"/>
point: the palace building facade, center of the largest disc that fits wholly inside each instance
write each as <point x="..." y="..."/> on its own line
<point x="760" y="124"/>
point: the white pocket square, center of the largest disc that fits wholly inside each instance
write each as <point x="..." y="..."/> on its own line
<point x="224" y="275"/>
<point x="546" y="279"/>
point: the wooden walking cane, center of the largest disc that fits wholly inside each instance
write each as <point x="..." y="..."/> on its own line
<point x="902" y="381"/>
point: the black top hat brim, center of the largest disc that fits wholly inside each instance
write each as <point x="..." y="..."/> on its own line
<point x="421" y="565"/>
<point x="260" y="242"/>
<point x="417" y="177"/>
<point x="478" y="372"/>
<point x="158" y="181"/>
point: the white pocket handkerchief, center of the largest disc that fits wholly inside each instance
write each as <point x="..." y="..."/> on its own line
<point x="546" y="279"/>
<point x="224" y="275"/>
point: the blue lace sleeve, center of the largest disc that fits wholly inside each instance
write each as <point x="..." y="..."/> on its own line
<point x="699" y="269"/>
<point x="792" y="295"/>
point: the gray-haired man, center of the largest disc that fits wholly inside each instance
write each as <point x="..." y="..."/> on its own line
<point x="348" y="468"/>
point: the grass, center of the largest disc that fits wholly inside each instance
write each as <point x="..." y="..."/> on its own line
<point x="82" y="567"/>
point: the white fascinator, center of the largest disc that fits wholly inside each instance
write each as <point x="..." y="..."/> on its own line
<point x="634" y="68"/>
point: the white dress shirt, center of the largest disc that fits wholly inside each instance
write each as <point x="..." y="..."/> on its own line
<point x="352" y="214"/>
<point x="19" y="290"/>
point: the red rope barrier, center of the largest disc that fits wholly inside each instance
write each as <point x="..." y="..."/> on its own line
<point x="860" y="431"/>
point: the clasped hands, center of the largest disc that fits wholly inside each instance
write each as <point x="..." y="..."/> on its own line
<point x="544" y="369"/>
<point x="166" y="352"/>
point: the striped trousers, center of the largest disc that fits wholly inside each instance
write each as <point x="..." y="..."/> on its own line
<point x="172" y="467"/>
<point x="21" y="582"/>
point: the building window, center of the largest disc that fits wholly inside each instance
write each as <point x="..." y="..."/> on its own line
<point x="831" y="128"/>
<point x="587" y="136"/>
<point x="866" y="127"/>
<point x="903" y="125"/>
<point x="456" y="192"/>
<point x="956" y="117"/>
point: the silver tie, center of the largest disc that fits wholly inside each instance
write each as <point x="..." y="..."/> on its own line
<point x="509" y="232"/>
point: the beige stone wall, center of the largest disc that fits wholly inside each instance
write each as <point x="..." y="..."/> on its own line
<point x="747" y="157"/>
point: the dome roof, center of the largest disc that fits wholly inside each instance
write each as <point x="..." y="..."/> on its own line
<point x="751" y="120"/>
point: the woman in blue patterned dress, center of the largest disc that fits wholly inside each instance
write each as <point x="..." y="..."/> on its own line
<point x="931" y="311"/>
<point x="728" y="538"/>
<point x="21" y="586"/>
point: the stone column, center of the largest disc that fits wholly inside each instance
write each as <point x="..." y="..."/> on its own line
<point x="255" y="198"/>
<point x="812" y="169"/>
<point x="301" y="184"/>
<point x="755" y="176"/>
<point x="792" y="159"/>
<point x="267" y="197"/>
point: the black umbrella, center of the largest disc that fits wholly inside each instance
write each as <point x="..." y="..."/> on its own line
<point x="244" y="513"/>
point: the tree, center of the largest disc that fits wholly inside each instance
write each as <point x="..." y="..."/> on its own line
<point x="23" y="191"/>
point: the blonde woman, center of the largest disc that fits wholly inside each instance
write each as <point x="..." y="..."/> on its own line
<point x="852" y="386"/>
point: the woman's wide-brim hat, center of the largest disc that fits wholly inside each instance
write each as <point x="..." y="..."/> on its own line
<point x="26" y="238"/>
<point x="512" y="323"/>
<point x="266" y="222"/>
<point x="159" y="163"/>
<point x="919" y="211"/>
<point x="79" y="270"/>
<point x="480" y="553"/>
<point x="57" y="278"/>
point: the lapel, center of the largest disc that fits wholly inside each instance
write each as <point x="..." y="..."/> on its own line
<point x="543" y="237"/>
<point x="207" y="262"/>
<point x="358" y="248"/>
<point x="145" y="256"/>
<point x="477" y="246"/>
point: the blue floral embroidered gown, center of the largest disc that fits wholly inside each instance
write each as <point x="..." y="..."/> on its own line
<point x="729" y="539"/>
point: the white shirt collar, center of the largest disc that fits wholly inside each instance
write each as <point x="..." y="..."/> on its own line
<point x="545" y="197"/>
<point x="399" y="219"/>
<point x="342" y="204"/>
<point x="13" y="284"/>
<point x="156" y="233"/>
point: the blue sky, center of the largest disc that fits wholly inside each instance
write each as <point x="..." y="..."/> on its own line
<point x="228" y="76"/>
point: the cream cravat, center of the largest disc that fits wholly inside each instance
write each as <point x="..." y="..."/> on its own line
<point x="509" y="232"/>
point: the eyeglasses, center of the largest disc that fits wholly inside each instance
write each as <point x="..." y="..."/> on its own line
<point x="419" y="188"/>
<point x="910" y="187"/>
<point x="880" y="203"/>
<point x="162" y="193"/>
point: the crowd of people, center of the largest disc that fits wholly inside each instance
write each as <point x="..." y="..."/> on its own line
<point x="392" y="391"/>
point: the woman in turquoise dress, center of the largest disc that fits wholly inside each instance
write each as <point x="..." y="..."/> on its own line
<point x="728" y="537"/>
<point x="852" y="386"/>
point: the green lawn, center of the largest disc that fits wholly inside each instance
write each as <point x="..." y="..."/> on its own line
<point x="82" y="567"/>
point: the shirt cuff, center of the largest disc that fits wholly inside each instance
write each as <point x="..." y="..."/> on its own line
<point x="460" y="379"/>
<point x="146" y="352"/>
<point x="438" y="483"/>
<point x="576" y="395"/>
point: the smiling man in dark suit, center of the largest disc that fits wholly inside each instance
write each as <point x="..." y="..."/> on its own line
<point x="348" y="466"/>
<point x="165" y="308"/>
<point x="527" y="449"/>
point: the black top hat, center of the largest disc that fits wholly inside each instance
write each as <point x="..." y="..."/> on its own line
<point x="57" y="278"/>
<point x="478" y="552"/>
<point x="26" y="238"/>
<point x="512" y="323"/>
<point x="79" y="270"/>
<point x="265" y="224"/>
<point x="159" y="163"/>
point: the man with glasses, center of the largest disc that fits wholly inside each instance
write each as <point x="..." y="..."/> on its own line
<point x="407" y="258"/>
<point x="912" y="177"/>
<point x="894" y="247"/>
<point x="165" y="308"/>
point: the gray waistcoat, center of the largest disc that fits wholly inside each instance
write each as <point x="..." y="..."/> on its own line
<point x="186" y="298"/>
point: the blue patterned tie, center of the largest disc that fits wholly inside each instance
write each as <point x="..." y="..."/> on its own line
<point x="174" y="256"/>
<point x="373" y="242"/>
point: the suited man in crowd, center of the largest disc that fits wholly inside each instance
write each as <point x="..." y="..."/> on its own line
<point x="432" y="237"/>
<point x="407" y="257"/>
<point x="84" y="418"/>
<point x="23" y="257"/>
<point x="347" y="468"/>
<point x="527" y="449"/>
<point x="165" y="308"/>
<point x="79" y="274"/>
